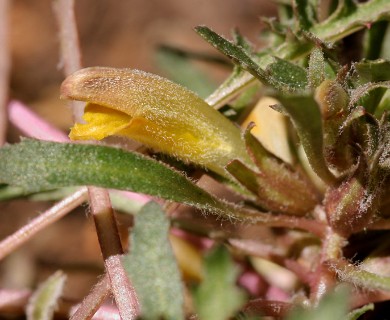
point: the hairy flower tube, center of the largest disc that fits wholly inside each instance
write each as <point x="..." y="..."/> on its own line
<point x="156" y="112"/>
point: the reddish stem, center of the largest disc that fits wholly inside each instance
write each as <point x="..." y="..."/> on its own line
<point x="267" y="308"/>
<point x="69" y="41"/>
<point x="50" y="216"/>
<point x="93" y="301"/>
<point x="13" y="301"/>
<point x="108" y="235"/>
<point x="32" y="125"/>
<point x="324" y="279"/>
<point x="100" y="203"/>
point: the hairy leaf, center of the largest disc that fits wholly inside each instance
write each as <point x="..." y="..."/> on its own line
<point x="152" y="266"/>
<point x="233" y="51"/>
<point x="355" y="314"/>
<point x="332" y="307"/>
<point x="305" y="13"/>
<point x="40" y="166"/>
<point x="316" y="72"/>
<point x="345" y="21"/>
<point x="349" y="18"/>
<point x="371" y="71"/>
<point x="305" y="115"/>
<point x="43" y="302"/>
<point x="286" y="76"/>
<point x="218" y="297"/>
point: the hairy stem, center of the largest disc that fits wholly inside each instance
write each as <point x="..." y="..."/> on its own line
<point x="69" y="41"/>
<point x="100" y="203"/>
<point x="32" y="125"/>
<point x="42" y="221"/>
<point x="353" y="274"/>
<point x="93" y="301"/>
<point x="324" y="278"/>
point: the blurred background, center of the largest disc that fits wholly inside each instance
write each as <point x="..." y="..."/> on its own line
<point x="117" y="34"/>
<point x="112" y="33"/>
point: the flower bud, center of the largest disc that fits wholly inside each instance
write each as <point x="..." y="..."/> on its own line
<point x="350" y="206"/>
<point x="332" y="98"/>
<point x="333" y="102"/>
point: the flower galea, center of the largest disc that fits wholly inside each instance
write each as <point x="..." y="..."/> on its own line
<point x="156" y="112"/>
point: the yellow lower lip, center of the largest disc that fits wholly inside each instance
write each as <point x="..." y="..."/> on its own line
<point x="101" y="122"/>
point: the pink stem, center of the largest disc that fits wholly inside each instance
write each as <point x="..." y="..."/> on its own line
<point x="12" y="301"/>
<point x="32" y="125"/>
<point x="110" y="244"/>
<point x="122" y="289"/>
<point x="100" y="204"/>
<point x="93" y="301"/>
<point x="70" y="48"/>
<point x="42" y="221"/>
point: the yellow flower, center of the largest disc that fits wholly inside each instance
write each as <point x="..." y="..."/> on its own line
<point x="156" y="112"/>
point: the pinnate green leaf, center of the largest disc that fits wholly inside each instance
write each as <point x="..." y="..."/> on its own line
<point x="152" y="267"/>
<point x="43" y="302"/>
<point x="218" y="297"/>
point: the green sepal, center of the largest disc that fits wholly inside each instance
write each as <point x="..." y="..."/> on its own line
<point x="369" y="95"/>
<point x="278" y="187"/>
<point x="244" y="175"/>
<point x="366" y="71"/>
<point x="365" y="76"/>
<point x="351" y="205"/>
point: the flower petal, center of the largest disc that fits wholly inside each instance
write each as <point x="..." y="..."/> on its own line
<point x="163" y="115"/>
<point x="100" y="123"/>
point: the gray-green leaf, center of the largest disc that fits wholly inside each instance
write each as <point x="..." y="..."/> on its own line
<point x="152" y="267"/>
<point x="43" y="302"/>
<point x="40" y="166"/>
<point x="332" y="307"/>
<point x="286" y="76"/>
<point x="218" y="297"/>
